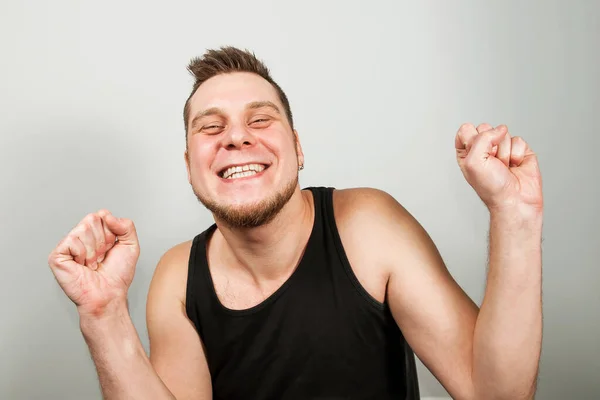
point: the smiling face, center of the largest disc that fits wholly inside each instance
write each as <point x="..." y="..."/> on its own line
<point x="242" y="156"/>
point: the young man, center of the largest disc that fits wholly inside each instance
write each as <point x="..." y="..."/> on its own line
<point x="308" y="294"/>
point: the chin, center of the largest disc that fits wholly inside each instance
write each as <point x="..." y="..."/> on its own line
<point x="243" y="195"/>
<point x="247" y="206"/>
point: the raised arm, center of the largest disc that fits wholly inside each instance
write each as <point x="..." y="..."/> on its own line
<point x="492" y="353"/>
<point x="94" y="265"/>
<point x="505" y="173"/>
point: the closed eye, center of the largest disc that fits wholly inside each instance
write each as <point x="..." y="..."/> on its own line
<point x="212" y="129"/>
<point x="260" y="122"/>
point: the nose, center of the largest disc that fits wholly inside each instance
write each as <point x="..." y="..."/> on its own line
<point x="237" y="137"/>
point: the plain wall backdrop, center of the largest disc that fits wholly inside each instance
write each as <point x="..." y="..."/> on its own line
<point x="91" y="100"/>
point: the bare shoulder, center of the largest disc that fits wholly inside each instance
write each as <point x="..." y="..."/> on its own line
<point x="177" y="253"/>
<point x="365" y="202"/>
<point x="373" y="217"/>
<point x="170" y="275"/>
<point x="373" y="227"/>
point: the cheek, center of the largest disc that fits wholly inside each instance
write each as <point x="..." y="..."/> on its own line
<point x="200" y="162"/>
<point x="283" y="146"/>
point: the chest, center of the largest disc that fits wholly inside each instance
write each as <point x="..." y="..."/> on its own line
<point x="304" y="341"/>
<point x="311" y="312"/>
<point x="240" y="291"/>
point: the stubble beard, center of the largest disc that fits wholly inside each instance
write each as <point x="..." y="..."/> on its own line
<point x="253" y="215"/>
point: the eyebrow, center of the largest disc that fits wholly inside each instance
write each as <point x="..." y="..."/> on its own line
<point x="218" y="111"/>
<point x="205" y="113"/>
<point x="260" y="104"/>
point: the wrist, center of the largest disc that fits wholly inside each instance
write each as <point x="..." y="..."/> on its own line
<point x="111" y="332"/>
<point x="523" y="215"/>
<point x="516" y="228"/>
<point x="95" y="314"/>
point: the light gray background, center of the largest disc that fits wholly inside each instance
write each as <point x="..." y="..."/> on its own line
<point x="91" y="96"/>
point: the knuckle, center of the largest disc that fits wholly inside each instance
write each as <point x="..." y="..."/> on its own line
<point x="70" y="241"/>
<point x="75" y="231"/>
<point x="86" y="228"/>
<point x="483" y="127"/>
<point x="80" y="229"/>
<point x="103" y="211"/>
<point x="466" y="126"/>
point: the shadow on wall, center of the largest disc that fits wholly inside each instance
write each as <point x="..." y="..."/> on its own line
<point x="63" y="173"/>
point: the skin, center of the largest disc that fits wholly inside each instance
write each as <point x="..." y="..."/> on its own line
<point x="487" y="353"/>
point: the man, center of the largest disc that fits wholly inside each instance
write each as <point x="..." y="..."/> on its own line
<point x="308" y="294"/>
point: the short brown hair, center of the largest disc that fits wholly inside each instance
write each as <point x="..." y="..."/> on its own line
<point x="226" y="60"/>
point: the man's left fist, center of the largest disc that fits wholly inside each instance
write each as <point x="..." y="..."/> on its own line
<point x="502" y="169"/>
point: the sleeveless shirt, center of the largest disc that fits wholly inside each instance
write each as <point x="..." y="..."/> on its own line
<point x="320" y="335"/>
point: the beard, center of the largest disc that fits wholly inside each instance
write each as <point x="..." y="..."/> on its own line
<point x="252" y="215"/>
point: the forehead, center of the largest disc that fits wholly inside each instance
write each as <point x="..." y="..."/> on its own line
<point x="232" y="91"/>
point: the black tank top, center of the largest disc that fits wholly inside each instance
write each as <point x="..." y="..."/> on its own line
<point x="319" y="336"/>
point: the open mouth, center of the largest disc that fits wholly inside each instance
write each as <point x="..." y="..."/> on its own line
<point x="242" y="171"/>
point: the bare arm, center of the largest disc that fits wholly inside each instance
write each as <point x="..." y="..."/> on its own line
<point x="435" y="315"/>
<point x="123" y="368"/>
<point x="492" y="353"/>
<point x="176" y="351"/>
<point x="487" y="354"/>
<point x="508" y="332"/>
<point x="176" y="368"/>
<point x="94" y="265"/>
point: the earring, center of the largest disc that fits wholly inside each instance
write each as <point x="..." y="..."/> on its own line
<point x="300" y="167"/>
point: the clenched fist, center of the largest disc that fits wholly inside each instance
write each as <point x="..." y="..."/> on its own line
<point x="95" y="263"/>
<point x="503" y="170"/>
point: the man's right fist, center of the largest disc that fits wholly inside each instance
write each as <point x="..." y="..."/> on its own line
<point x="95" y="263"/>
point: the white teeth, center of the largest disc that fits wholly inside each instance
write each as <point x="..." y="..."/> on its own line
<point x="242" y="174"/>
<point x="242" y="171"/>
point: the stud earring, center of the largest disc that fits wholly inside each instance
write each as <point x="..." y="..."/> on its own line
<point x="300" y="167"/>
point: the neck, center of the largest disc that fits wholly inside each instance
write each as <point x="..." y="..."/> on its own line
<point x="271" y="250"/>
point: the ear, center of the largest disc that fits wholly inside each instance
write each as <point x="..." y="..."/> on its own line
<point x="186" y="157"/>
<point x="299" y="151"/>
